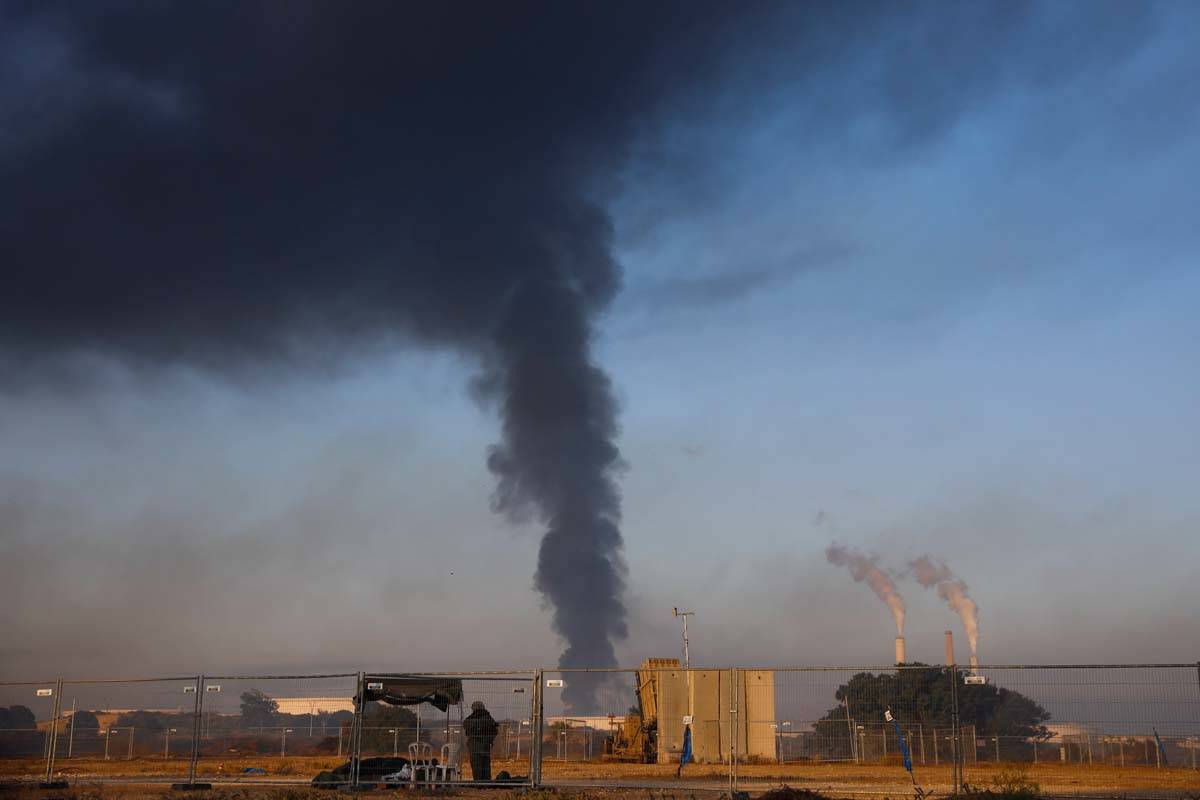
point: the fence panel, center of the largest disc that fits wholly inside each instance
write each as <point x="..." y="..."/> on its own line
<point x="1098" y="717"/>
<point x="848" y="729"/>
<point x="414" y="728"/>
<point x="1075" y="729"/>
<point x="26" y="709"/>
<point x="630" y="728"/>
<point x="276" y="729"/>
<point x="123" y="729"/>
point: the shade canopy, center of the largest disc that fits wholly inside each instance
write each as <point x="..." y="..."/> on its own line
<point x="412" y="690"/>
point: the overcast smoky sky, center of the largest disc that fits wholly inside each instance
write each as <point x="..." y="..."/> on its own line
<point x="381" y="336"/>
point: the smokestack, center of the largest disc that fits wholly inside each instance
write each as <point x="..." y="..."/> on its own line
<point x="900" y="650"/>
<point x="949" y="649"/>
<point x="974" y="663"/>
<point x="951" y="589"/>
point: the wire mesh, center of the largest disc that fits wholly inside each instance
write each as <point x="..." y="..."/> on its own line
<point x="124" y="729"/>
<point x="1096" y="715"/>
<point x="850" y="727"/>
<point x="633" y="727"/>
<point x="25" y="712"/>
<point x="279" y="729"/>
<point x="1075" y="729"/>
<point x="443" y="746"/>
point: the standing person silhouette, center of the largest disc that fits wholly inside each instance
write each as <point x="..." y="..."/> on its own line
<point x="480" y="730"/>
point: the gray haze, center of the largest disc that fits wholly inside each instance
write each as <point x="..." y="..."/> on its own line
<point x="931" y="271"/>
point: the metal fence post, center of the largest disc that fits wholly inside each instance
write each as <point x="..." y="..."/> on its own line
<point x="535" y="744"/>
<point x="52" y="736"/>
<point x="197" y="716"/>
<point x="733" y="730"/>
<point x="955" y="734"/>
<point x="356" y="732"/>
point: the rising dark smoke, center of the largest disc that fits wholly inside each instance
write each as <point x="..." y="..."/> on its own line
<point x="246" y="186"/>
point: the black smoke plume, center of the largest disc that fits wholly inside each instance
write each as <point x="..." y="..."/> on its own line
<point x="240" y="186"/>
<point x="246" y="186"/>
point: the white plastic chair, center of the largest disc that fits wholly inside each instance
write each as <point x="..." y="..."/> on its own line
<point x="420" y="758"/>
<point x="447" y="771"/>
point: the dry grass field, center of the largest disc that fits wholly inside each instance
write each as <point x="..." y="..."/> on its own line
<point x="833" y="779"/>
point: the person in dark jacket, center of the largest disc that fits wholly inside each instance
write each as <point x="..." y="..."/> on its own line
<point x="480" y="730"/>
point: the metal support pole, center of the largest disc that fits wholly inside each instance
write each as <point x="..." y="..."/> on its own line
<point x="735" y="722"/>
<point x="197" y="724"/>
<point x="921" y="736"/>
<point x="52" y="737"/>
<point x="850" y="729"/>
<point x="732" y="734"/>
<point x="1035" y="757"/>
<point x="129" y="755"/>
<point x="71" y="732"/>
<point x="356" y="732"/>
<point x="535" y="731"/>
<point x="955" y="748"/>
<point x="1089" y="744"/>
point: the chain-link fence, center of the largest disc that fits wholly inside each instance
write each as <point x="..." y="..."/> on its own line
<point x="1073" y="729"/>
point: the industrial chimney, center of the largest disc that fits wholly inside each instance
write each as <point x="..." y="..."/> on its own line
<point x="900" y="650"/>
<point x="974" y="664"/>
<point x="949" y="649"/>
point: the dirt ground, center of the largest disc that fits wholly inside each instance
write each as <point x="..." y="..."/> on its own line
<point x="833" y="779"/>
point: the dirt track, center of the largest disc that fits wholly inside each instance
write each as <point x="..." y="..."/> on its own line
<point x="1055" y="779"/>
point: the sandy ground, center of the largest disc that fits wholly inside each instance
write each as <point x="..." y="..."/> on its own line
<point x="835" y="779"/>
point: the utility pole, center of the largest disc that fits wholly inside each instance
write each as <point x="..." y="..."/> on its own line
<point x="675" y="612"/>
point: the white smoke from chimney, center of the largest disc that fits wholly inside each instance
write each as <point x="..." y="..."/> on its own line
<point x="953" y="590"/>
<point x="862" y="568"/>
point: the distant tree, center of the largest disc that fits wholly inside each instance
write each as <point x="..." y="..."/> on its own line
<point x="18" y="731"/>
<point x="86" y="722"/>
<point x="922" y="695"/>
<point x="378" y="719"/>
<point x="258" y="709"/>
<point x="150" y="721"/>
<point x="17" y="718"/>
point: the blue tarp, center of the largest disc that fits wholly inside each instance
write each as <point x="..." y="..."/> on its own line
<point x="903" y="744"/>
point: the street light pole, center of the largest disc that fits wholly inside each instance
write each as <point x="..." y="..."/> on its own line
<point x="283" y="743"/>
<point x="107" y="736"/>
<point x="675" y="612"/>
<point x="167" y="742"/>
<point x="395" y="732"/>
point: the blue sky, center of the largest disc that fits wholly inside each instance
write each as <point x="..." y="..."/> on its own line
<point x="973" y="337"/>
